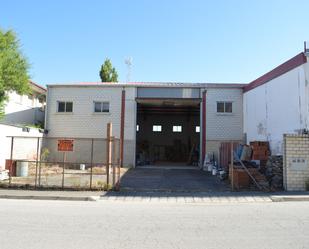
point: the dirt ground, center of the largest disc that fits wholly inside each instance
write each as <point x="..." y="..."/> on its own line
<point x="52" y="175"/>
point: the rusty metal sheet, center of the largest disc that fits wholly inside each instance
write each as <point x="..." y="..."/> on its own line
<point x="65" y="145"/>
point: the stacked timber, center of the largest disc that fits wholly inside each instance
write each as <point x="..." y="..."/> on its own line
<point x="274" y="172"/>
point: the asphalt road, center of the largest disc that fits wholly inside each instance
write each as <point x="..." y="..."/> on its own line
<point x="114" y="224"/>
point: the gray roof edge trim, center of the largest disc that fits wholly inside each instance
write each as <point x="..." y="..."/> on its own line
<point x="162" y="85"/>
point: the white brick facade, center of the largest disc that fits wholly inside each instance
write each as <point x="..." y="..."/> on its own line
<point x="227" y="126"/>
<point x="83" y="122"/>
<point x="296" y="162"/>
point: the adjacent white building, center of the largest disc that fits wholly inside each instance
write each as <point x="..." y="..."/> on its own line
<point x="25" y="109"/>
<point x="22" y="111"/>
<point x="277" y="103"/>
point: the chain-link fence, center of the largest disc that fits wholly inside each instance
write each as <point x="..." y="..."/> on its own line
<point x="72" y="163"/>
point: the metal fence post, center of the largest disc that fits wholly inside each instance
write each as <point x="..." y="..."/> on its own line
<point x="11" y="160"/>
<point x="114" y="161"/>
<point x="122" y="125"/>
<point x="63" y="169"/>
<point x="37" y="161"/>
<point x="232" y="166"/>
<point x="118" y="170"/>
<point x="91" y="163"/>
<point x="40" y="165"/>
<point x="108" y="151"/>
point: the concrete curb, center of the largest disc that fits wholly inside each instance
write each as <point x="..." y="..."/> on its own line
<point x="51" y="198"/>
<point x="289" y="198"/>
<point x="273" y="198"/>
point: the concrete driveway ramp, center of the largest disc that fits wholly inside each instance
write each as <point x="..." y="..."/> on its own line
<point x="168" y="179"/>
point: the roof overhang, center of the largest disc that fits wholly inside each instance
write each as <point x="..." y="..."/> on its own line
<point x="37" y="88"/>
<point x="282" y="69"/>
<point x="150" y="84"/>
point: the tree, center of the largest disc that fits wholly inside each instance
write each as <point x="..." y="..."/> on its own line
<point x="13" y="68"/>
<point x="108" y="73"/>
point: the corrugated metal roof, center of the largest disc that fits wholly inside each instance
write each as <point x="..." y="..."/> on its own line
<point x="150" y="84"/>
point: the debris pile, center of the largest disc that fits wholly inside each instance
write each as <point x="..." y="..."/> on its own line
<point x="274" y="172"/>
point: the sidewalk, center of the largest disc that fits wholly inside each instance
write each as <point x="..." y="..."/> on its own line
<point x="170" y="197"/>
<point x="207" y="197"/>
<point x="50" y="195"/>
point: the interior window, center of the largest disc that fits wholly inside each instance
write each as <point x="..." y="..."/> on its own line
<point x="177" y="128"/>
<point x="157" y="128"/>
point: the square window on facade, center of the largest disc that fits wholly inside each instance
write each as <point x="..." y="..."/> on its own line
<point x="101" y="106"/>
<point x="224" y="107"/>
<point x="65" y="106"/>
<point x="197" y="129"/>
<point x="157" y="128"/>
<point x="177" y="128"/>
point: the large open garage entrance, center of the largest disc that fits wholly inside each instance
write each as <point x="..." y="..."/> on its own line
<point x="168" y="132"/>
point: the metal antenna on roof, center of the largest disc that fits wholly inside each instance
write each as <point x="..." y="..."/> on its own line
<point x="128" y="62"/>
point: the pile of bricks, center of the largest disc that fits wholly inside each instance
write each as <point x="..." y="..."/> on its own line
<point x="260" y="150"/>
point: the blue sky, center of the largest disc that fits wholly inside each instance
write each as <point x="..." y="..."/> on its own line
<point x="183" y="41"/>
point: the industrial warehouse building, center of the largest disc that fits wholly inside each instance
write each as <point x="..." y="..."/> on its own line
<point x="175" y="123"/>
<point x="164" y="123"/>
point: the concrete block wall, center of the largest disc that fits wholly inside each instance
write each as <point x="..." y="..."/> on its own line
<point x="224" y="126"/>
<point x="84" y="123"/>
<point x="296" y="162"/>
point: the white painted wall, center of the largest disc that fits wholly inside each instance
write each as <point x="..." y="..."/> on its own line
<point x="23" y="109"/>
<point x="277" y="107"/>
<point x="24" y="148"/>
